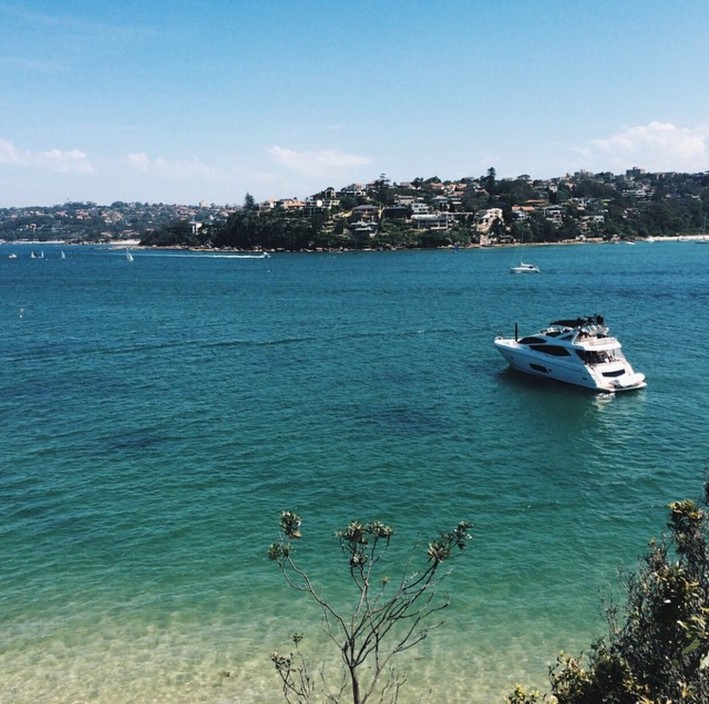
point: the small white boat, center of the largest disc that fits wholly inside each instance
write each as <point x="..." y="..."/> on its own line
<point x="129" y="256"/>
<point x="524" y="268"/>
<point x="520" y="267"/>
<point x="579" y="351"/>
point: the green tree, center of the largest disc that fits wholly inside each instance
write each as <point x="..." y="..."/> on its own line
<point x="383" y="192"/>
<point x="178" y="233"/>
<point x="658" y="652"/>
<point x="384" y="618"/>
<point x="433" y="239"/>
<point x="249" y="202"/>
<point x="490" y="181"/>
<point x="514" y="191"/>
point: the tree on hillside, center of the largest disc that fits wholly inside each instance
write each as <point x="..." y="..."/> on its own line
<point x="382" y="191"/>
<point x="658" y="652"/>
<point x="249" y="202"/>
<point x="178" y="233"/>
<point x="490" y="181"/>
<point x="384" y="618"/>
<point x="511" y="192"/>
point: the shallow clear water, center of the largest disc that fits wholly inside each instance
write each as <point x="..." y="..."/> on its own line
<point x="157" y="415"/>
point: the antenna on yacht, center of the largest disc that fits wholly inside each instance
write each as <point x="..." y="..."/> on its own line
<point x="516" y="332"/>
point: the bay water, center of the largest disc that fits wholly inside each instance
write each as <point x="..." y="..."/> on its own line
<point x="157" y="415"/>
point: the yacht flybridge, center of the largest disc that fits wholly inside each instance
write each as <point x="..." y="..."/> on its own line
<point x="579" y="351"/>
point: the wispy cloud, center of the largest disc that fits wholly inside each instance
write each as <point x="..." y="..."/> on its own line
<point x="178" y="169"/>
<point x="316" y="163"/>
<point x="657" y="145"/>
<point x="62" y="21"/>
<point x="72" y="161"/>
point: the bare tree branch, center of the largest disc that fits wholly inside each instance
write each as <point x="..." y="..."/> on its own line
<point x="386" y="619"/>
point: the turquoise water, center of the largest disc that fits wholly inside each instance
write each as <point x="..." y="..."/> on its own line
<point x="157" y="415"/>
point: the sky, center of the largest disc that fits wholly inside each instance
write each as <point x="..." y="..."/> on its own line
<point x="184" y="101"/>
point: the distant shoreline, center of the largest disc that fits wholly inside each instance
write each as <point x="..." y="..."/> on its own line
<point x="134" y="243"/>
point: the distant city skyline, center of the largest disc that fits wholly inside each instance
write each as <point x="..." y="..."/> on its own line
<point x="183" y="102"/>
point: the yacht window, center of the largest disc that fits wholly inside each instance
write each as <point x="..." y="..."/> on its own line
<point x="531" y="340"/>
<point x="539" y="368"/>
<point x="617" y="372"/>
<point x="553" y="350"/>
<point x="593" y="357"/>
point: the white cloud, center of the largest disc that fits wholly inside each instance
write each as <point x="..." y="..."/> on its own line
<point x="73" y="161"/>
<point x="186" y="168"/>
<point x="655" y="146"/>
<point x="316" y="164"/>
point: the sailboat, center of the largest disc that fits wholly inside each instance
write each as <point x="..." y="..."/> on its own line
<point x="63" y="256"/>
<point x="129" y="256"/>
<point x="524" y="267"/>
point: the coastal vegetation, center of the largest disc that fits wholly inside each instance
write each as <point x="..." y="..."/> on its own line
<point x="378" y="618"/>
<point x="430" y="213"/>
<point x="422" y="213"/>
<point x="656" y="650"/>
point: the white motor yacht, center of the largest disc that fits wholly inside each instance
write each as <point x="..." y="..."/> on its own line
<point x="579" y="351"/>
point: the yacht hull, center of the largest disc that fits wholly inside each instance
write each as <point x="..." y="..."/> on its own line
<point x="614" y="374"/>
<point x="523" y="268"/>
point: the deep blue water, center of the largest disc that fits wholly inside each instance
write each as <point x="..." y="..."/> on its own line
<point x="156" y="415"/>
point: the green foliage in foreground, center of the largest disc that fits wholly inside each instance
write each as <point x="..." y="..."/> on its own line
<point x="658" y="652"/>
<point x="383" y="619"/>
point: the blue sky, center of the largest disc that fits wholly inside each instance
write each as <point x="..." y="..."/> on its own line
<point x="185" y="101"/>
